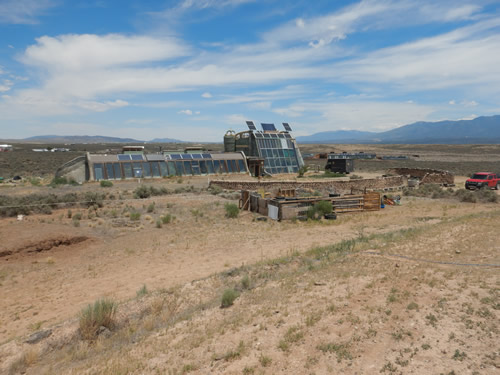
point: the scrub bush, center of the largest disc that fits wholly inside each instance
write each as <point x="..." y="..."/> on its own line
<point x="232" y="210"/>
<point x="228" y="297"/>
<point x="92" y="317"/>
<point x="106" y="183"/>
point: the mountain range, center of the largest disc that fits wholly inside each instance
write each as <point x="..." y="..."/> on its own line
<point x="485" y="129"/>
<point x="93" y="139"/>
<point x="479" y="130"/>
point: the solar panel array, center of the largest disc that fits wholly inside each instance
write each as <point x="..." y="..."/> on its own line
<point x="251" y="125"/>
<point x="287" y="127"/>
<point x="268" y="127"/>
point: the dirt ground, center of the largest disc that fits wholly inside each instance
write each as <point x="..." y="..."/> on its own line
<point x="358" y="314"/>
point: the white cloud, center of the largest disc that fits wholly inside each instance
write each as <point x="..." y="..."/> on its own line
<point x="186" y="112"/>
<point x="88" y="52"/>
<point x="471" y="103"/>
<point x="6" y="85"/>
<point x="102" y="107"/>
<point x="206" y="95"/>
<point x="358" y="115"/>
<point x="23" y="11"/>
<point x="452" y="102"/>
<point x="235" y="119"/>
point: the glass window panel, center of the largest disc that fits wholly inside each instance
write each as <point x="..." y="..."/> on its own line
<point x="187" y="167"/>
<point x="210" y="166"/>
<point x="127" y="170"/>
<point x="186" y="156"/>
<point x="179" y="168"/>
<point x="98" y="172"/>
<point x="223" y="166"/>
<point x="272" y="163"/>
<point x="163" y="168"/>
<point x="203" y="167"/>
<point x="216" y="166"/>
<point x="288" y="161"/>
<point x="295" y="169"/>
<point x="118" y="170"/>
<point x="242" y="166"/>
<point x="229" y="167"/>
<point x="109" y="171"/>
<point x="171" y="168"/>
<point x="155" y="168"/>
<point x="147" y="169"/>
<point x="137" y="170"/>
<point x="206" y="156"/>
<point x="280" y="152"/>
<point x="292" y="153"/>
<point x="196" y="167"/>
<point x="234" y="165"/>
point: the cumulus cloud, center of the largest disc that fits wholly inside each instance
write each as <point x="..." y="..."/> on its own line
<point x="186" y="112"/>
<point x="206" y="95"/>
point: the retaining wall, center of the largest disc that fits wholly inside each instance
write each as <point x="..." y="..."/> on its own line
<point x="329" y="186"/>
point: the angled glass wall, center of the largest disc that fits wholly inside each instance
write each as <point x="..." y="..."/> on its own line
<point x="127" y="166"/>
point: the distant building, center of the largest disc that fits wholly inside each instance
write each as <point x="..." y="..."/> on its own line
<point x="6" y="148"/>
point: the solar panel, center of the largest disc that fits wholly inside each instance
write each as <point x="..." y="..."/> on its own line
<point x="136" y="157"/>
<point x="287" y="127"/>
<point x="123" y="157"/>
<point x="251" y="125"/>
<point x="197" y="156"/>
<point x="175" y="156"/>
<point x="268" y="127"/>
<point x="258" y="135"/>
<point x="207" y="156"/>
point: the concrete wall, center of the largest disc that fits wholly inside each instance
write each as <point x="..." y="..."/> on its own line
<point x="339" y="187"/>
<point x="426" y="176"/>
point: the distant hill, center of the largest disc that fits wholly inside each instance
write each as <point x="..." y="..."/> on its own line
<point x="479" y="130"/>
<point x="166" y="140"/>
<point x="79" y="139"/>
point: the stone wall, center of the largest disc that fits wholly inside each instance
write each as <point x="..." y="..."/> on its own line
<point x="330" y="186"/>
<point x="426" y="176"/>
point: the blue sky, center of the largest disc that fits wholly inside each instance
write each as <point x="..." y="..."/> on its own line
<point x="191" y="69"/>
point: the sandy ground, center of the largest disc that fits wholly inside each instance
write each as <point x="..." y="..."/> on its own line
<point x="42" y="288"/>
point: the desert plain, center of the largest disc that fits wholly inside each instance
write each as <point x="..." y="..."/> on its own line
<point x="409" y="289"/>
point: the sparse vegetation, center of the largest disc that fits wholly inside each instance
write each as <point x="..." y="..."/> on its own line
<point x="100" y="314"/>
<point x="106" y="183"/>
<point x="228" y="298"/>
<point x="232" y="210"/>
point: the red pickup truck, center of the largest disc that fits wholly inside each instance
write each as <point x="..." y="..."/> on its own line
<point x="483" y="179"/>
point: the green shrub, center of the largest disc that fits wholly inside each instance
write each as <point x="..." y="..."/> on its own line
<point x="134" y="216"/>
<point x="106" y="183"/>
<point x="232" y="210"/>
<point x="92" y="317"/>
<point x="303" y="170"/>
<point x="143" y="291"/>
<point x="324" y="207"/>
<point x="466" y="196"/>
<point x="159" y="224"/>
<point x="245" y="282"/>
<point x="228" y="297"/>
<point x="165" y="219"/>
<point x="485" y="195"/>
<point x="215" y="189"/>
<point x="144" y="191"/>
<point x="151" y="207"/>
